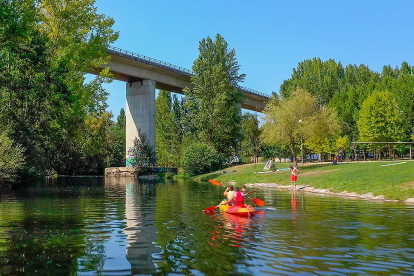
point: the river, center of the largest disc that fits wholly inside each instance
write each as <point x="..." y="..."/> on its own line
<point x="97" y="226"/>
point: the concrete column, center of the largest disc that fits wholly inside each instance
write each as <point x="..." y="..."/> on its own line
<point x="140" y="111"/>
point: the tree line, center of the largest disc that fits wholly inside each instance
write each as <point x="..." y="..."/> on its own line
<point x="320" y="109"/>
<point x="51" y="118"/>
<point x="353" y="103"/>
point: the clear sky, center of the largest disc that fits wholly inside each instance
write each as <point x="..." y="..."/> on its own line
<point x="270" y="37"/>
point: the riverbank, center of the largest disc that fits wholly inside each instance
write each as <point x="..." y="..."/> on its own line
<point x="371" y="180"/>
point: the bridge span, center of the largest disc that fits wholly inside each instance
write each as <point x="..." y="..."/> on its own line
<point x="143" y="75"/>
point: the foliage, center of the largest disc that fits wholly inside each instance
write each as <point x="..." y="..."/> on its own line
<point x="168" y="131"/>
<point x="199" y="158"/>
<point x="347" y="89"/>
<point x="285" y="121"/>
<point x="116" y="141"/>
<point x="342" y="143"/>
<point x="11" y="156"/>
<point x="46" y="47"/>
<point x="213" y="105"/>
<point x="144" y="155"/>
<point x="250" y="145"/>
<point x="380" y="119"/>
<point x="320" y="129"/>
<point x="273" y="151"/>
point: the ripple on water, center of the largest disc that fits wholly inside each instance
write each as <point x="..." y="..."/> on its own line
<point x="129" y="228"/>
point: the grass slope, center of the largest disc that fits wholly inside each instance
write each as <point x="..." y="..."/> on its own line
<point x="394" y="182"/>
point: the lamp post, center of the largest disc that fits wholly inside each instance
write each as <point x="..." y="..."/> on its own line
<point x="301" y="140"/>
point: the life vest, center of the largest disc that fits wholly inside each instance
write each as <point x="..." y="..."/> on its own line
<point x="238" y="199"/>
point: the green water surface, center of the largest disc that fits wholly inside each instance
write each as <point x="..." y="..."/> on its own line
<point x="97" y="226"/>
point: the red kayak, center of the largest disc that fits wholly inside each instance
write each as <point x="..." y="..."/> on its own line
<point x="245" y="210"/>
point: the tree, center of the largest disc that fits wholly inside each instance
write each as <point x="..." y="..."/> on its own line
<point x="321" y="127"/>
<point x="213" y="105"/>
<point x="321" y="79"/>
<point x="380" y="119"/>
<point x="143" y="155"/>
<point x="199" y="158"/>
<point x="11" y="156"/>
<point x="115" y="142"/>
<point x="46" y="47"/>
<point x="163" y="128"/>
<point x="285" y="121"/>
<point x="251" y="136"/>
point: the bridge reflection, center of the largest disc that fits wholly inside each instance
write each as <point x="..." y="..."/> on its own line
<point x="139" y="220"/>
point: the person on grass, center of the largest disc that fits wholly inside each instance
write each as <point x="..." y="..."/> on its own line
<point x="293" y="177"/>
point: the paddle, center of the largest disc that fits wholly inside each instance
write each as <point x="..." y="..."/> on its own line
<point x="257" y="201"/>
<point x="210" y="209"/>
<point x="250" y="192"/>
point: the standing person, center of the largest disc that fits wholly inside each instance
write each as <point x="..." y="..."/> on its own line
<point x="340" y="154"/>
<point x="294" y="176"/>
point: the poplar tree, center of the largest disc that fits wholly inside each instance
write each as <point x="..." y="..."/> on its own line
<point x="380" y="119"/>
<point x="214" y="102"/>
<point x="163" y="128"/>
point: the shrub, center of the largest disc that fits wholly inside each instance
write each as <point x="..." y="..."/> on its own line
<point x="199" y="158"/>
<point x="11" y="156"/>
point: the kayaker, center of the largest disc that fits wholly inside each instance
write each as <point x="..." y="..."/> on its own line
<point x="229" y="192"/>
<point x="243" y="190"/>
<point x="238" y="198"/>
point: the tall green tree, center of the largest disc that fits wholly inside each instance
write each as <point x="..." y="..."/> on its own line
<point x="163" y="128"/>
<point x="380" y="119"/>
<point x="214" y="103"/>
<point x="46" y="47"/>
<point x="251" y="144"/>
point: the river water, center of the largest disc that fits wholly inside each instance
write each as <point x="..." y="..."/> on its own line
<point x="93" y="226"/>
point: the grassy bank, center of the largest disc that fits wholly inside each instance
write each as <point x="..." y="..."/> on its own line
<point x="394" y="182"/>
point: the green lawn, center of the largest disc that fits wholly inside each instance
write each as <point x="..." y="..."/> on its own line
<point x="394" y="182"/>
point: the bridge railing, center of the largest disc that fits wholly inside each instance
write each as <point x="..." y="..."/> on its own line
<point x="169" y="66"/>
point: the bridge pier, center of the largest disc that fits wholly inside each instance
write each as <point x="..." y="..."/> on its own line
<point x="140" y="111"/>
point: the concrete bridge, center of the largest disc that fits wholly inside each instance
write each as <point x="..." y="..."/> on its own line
<point x="142" y="76"/>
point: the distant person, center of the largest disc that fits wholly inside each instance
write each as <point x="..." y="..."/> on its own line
<point x="243" y="190"/>
<point x="340" y="155"/>
<point x="294" y="176"/>
<point x="332" y="157"/>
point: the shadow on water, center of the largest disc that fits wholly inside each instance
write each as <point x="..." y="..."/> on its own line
<point x="117" y="226"/>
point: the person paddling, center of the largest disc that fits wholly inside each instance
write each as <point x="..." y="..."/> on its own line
<point x="229" y="192"/>
<point x="238" y="198"/>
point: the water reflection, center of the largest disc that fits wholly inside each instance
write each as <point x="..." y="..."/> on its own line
<point x="122" y="227"/>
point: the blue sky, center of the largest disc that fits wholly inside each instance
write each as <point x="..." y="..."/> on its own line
<point x="270" y="37"/>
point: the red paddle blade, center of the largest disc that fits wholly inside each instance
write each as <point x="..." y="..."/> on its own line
<point x="210" y="209"/>
<point x="258" y="201"/>
<point x="215" y="182"/>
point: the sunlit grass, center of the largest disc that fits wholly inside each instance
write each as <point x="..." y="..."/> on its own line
<point x="394" y="182"/>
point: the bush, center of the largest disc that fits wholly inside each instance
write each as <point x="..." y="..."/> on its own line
<point x="199" y="158"/>
<point x="11" y="156"/>
<point x="168" y="175"/>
